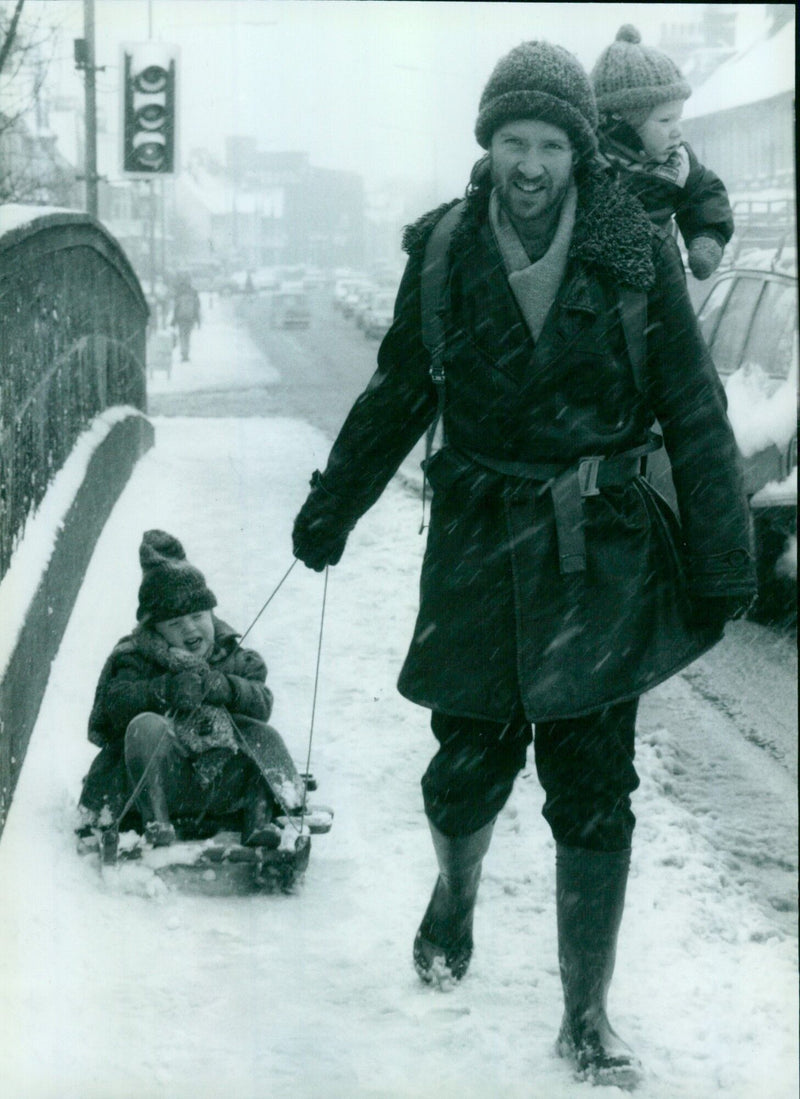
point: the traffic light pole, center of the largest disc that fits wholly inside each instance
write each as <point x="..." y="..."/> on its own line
<point x="90" y="159"/>
<point x="152" y="187"/>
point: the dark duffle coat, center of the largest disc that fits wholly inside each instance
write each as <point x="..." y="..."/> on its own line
<point x="499" y="622"/>
<point x="133" y="681"/>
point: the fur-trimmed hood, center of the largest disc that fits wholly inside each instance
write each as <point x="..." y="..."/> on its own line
<point x="612" y="231"/>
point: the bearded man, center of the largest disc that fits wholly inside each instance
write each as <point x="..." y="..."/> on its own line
<point x="557" y="585"/>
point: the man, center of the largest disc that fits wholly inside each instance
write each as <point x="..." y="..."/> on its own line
<point x="186" y="313"/>
<point x="556" y="586"/>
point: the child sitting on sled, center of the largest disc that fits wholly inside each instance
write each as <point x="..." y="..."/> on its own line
<point x="180" y="714"/>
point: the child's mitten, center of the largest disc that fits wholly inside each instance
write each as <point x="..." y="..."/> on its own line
<point x="184" y="691"/>
<point x="705" y="254"/>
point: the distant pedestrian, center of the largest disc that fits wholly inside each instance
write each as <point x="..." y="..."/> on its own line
<point x="185" y="313"/>
<point x="557" y="585"/>
<point x="640" y="95"/>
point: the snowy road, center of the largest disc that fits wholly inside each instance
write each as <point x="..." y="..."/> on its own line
<point x="114" y="989"/>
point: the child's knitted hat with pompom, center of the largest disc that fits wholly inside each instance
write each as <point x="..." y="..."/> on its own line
<point x="170" y="587"/>
<point x="630" y="79"/>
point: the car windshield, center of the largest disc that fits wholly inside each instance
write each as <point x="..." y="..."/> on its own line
<point x="769" y="341"/>
<point x="726" y="326"/>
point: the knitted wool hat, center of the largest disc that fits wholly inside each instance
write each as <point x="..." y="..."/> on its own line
<point x="543" y="82"/>
<point x="170" y="586"/>
<point x="630" y="78"/>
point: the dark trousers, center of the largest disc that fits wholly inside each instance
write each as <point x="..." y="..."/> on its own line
<point x="584" y="764"/>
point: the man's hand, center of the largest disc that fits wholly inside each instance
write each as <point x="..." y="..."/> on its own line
<point x="321" y="528"/>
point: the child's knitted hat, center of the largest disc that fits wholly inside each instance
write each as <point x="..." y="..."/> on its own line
<point x="543" y="82"/>
<point x="631" y="79"/>
<point x="170" y="586"/>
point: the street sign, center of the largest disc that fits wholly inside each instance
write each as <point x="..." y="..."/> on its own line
<point x="149" y="109"/>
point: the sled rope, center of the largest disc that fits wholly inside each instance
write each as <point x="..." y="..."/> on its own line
<point x="314" y="695"/>
<point x="275" y="591"/>
<point x="238" y="645"/>
<point x="303" y="808"/>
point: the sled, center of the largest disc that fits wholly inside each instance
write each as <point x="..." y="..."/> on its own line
<point x="216" y="865"/>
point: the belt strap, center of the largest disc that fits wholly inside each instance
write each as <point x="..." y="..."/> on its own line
<point x="568" y="486"/>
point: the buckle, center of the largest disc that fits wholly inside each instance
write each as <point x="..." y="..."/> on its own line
<point x="588" y="469"/>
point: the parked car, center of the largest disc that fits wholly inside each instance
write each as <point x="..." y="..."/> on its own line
<point x="344" y="286"/>
<point x="363" y="302"/>
<point x="289" y="308"/>
<point x="265" y="278"/>
<point x="749" y="320"/>
<point x="378" y="317"/>
<point x="351" y="298"/>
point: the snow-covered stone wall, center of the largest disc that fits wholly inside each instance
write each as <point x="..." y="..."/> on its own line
<point x="38" y="591"/>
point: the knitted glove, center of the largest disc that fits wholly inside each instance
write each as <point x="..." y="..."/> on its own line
<point x="705" y="254"/>
<point x="184" y="691"/>
<point x="711" y="612"/>
<point x="321" y="528"/>
<point x="217" y="690"/>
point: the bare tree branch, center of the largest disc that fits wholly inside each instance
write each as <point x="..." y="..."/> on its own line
<point x="11" y="34"/>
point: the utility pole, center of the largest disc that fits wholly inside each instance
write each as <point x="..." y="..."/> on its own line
<point x="150" y="182"/>
<point x="91" y="109"/>
<point x="84" y="60"/>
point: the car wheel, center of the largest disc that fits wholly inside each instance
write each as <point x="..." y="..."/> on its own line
<point x="776" y="602"/>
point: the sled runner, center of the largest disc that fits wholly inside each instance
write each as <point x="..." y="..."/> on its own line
<point x="213" y="865"/>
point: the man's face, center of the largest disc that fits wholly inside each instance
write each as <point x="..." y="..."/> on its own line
<point x="193" y="633"/>
<point x="532" y="165"/>
<point x="661" y="132"/>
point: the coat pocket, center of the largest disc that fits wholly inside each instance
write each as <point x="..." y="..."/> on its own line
<point x="665" y="520"/>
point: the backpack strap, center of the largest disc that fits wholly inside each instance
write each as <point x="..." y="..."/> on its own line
<point x="632" y="306"/>
<point x="434" y="301"/>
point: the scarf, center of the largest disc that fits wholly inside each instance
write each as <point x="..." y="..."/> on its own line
<point x="675" y="169"/>
<point x="534" y="285"/>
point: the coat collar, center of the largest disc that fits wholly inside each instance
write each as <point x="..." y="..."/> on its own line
<point x="612" y="234"/>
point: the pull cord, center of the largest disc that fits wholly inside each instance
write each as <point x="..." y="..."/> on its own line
<point x="314" y="696"/>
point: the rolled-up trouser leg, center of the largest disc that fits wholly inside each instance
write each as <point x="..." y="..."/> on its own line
<point x="585" y="766"/>
<point x="470" y="778"/>
<point x="466" y="785"/>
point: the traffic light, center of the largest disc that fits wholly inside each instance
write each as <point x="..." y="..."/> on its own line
<point x="149" y="109"/>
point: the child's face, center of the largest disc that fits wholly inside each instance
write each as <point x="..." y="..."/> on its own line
<point x="661" y="132"/>
<point x="194" y="633"/>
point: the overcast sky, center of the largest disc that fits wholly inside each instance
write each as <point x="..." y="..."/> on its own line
<point x="379" y="87"/>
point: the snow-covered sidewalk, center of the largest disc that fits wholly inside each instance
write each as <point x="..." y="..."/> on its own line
<point x="115" y="994"/>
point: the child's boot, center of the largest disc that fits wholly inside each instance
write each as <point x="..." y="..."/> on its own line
<point x="257" y="827"/>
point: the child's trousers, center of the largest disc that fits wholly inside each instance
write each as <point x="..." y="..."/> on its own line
<point x="171" y="787"/>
